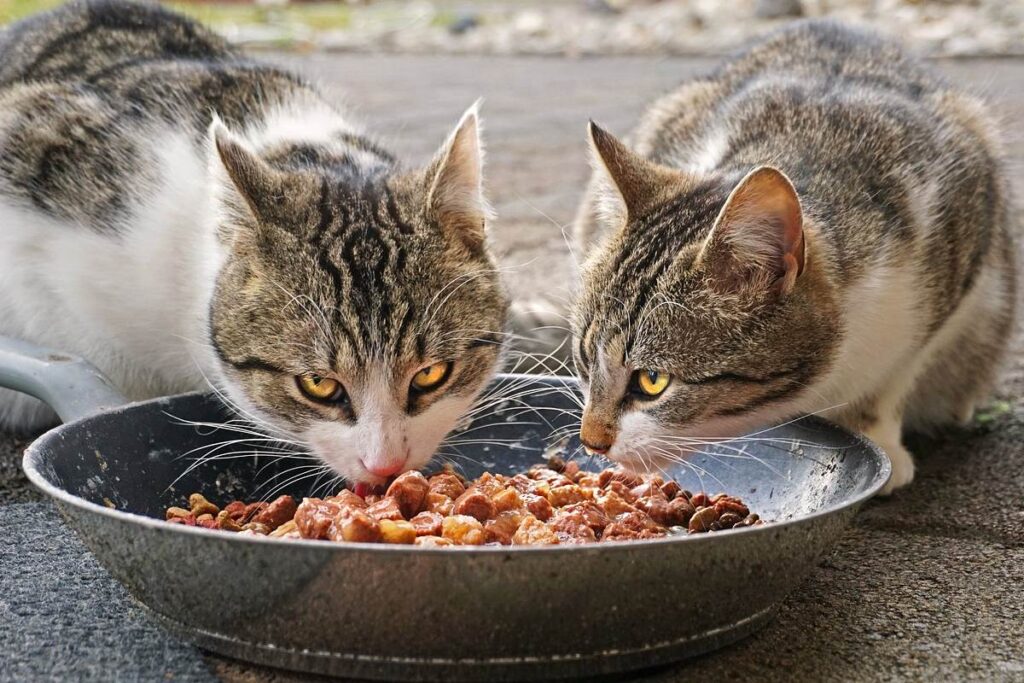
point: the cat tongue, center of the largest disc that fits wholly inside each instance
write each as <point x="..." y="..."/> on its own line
<point x="362" y="488"/>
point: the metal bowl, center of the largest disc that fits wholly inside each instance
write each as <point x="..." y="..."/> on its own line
<point x="444" y="614"/>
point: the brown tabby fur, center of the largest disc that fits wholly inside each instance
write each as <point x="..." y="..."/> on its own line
<point x="887" y="307"/>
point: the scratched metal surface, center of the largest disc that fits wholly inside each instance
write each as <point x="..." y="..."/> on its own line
<point x="373" y="611"/>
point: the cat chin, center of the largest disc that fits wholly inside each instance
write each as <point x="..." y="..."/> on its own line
<point x="644" y="444"/>
<point x="345" y="448"/>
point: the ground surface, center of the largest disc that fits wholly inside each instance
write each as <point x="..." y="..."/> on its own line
<point x="951" y="28"/>
<point x="928" y="585"/>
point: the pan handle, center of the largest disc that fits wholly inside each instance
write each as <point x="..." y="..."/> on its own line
<point x="71" y="386"/>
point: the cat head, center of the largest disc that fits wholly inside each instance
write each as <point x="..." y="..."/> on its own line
<point x="703" y="314"/>
<point x="358" y="312"/>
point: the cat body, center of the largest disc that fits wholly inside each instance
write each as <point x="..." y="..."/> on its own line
<point x="175" y="213"/>
<point x="822" y="225"/>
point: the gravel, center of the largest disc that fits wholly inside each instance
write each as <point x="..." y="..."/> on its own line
<point x="635" y="27"/>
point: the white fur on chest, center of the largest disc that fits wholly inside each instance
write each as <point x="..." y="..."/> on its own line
<point x="882" y="333"/>
<point x="132" y="303"/>
<point x="135" y="302"/>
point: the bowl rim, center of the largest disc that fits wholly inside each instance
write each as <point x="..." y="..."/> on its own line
<point x="34" y="453"/>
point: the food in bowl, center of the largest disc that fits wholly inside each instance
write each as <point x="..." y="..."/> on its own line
<point x="551" y="504"/>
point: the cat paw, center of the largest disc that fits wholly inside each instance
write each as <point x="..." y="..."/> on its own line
<point x="902" y="468"/>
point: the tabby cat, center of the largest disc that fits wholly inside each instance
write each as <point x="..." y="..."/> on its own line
<point x="820" y="225"/>
<point x="174" y="212"/>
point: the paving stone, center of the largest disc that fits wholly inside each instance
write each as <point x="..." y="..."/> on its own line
<point x="888" y="606"/>
<point x="63" y="618"/>
<point x="14" y="486"/>
<point x="969" y="484"/>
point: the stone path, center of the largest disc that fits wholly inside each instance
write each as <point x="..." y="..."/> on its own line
<point x="928" y="585"/>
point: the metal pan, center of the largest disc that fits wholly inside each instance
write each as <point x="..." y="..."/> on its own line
<point x="392" y="612"/>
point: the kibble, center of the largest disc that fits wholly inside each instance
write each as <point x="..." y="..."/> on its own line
<point x="702" y="519"/>
<point x="551" y="504"/>
<point x="397" y="531"/>
<point x="198" y="505"/>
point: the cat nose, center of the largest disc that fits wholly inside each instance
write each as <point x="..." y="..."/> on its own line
<point x="384" y="469"/>
<point x="596" y="435"/>
<point x="596" y="448"/>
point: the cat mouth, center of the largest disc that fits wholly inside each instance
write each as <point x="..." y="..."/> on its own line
<point x="363" y="489"/>
<point x="369" y="482"/>
<point x="647" y="457"/>
<point x="660" y="452"/>
<point x="635" y="457"/>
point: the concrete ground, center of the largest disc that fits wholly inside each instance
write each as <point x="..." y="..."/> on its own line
<point x="927" y="585"/>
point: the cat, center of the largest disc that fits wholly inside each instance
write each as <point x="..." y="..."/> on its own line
<point x="174" y="212"/>
<point x="820" y="225"/>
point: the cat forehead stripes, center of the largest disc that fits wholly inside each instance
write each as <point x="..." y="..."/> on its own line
<point x="637" y="267"/>
<point x="384" y="238"/>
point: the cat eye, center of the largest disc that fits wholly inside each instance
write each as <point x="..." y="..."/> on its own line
<point x="431" y="377"/>
<point x="321" y="389"/>
<point x="649" y="383"/>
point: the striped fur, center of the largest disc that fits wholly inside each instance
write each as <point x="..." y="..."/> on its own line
<point x="174" y="213"/>
<point x="888" y="306"/>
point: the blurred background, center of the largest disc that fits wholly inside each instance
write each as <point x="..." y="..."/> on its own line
<point x="943" y="28"/>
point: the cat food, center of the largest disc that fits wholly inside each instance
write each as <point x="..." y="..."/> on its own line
<point x="551" y="504"/>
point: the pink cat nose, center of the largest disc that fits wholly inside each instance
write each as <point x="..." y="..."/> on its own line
<point x="385" y="469"/>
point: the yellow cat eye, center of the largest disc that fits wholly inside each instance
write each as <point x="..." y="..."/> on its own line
<point x="652" y="382"/>
<point x="431" y="376"/>
<point x="323" y="389"/>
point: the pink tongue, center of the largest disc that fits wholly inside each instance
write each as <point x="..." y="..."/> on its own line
<point x="361" y="489"/>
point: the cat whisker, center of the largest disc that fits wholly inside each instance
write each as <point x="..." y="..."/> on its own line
<point x="461" y="456"/>
<point x="479" y="330"/>
<point x="797" y="419"/>
<point x="699" y="471"/>
<point x="263" y="425"/>
<point x="787" y="445"/>
<point x="322" y="323"/>
<point x="560" y="367"/>
<point x="739" y="454"/>
<point x="228" y="403"/>
<point x="233" y="455"/>
<point x="736" y="452"/>
<point x="211" y="450"/>
<point x="561" y="227"/>
<point x="645" y="314"/>
<point x="459" y="282"/>
<point x="304" y="472"/>
<point x="333" y="484"/>
<point x="480" y="442"/>
<point x="488" y="426"/>
<point x="230" y="426"/>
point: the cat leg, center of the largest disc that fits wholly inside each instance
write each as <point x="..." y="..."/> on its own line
<point x="963" y="357"/>
<point x="948" y="392"/>
<point x="887" y="433"/>
<point x="881" y="420"/>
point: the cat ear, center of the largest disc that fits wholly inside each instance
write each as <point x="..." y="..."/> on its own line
<point x="455" y="179"/>
<point x="759" y="233"/>
<point x="248" y="176"/>
<point x="628" y="184"/>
